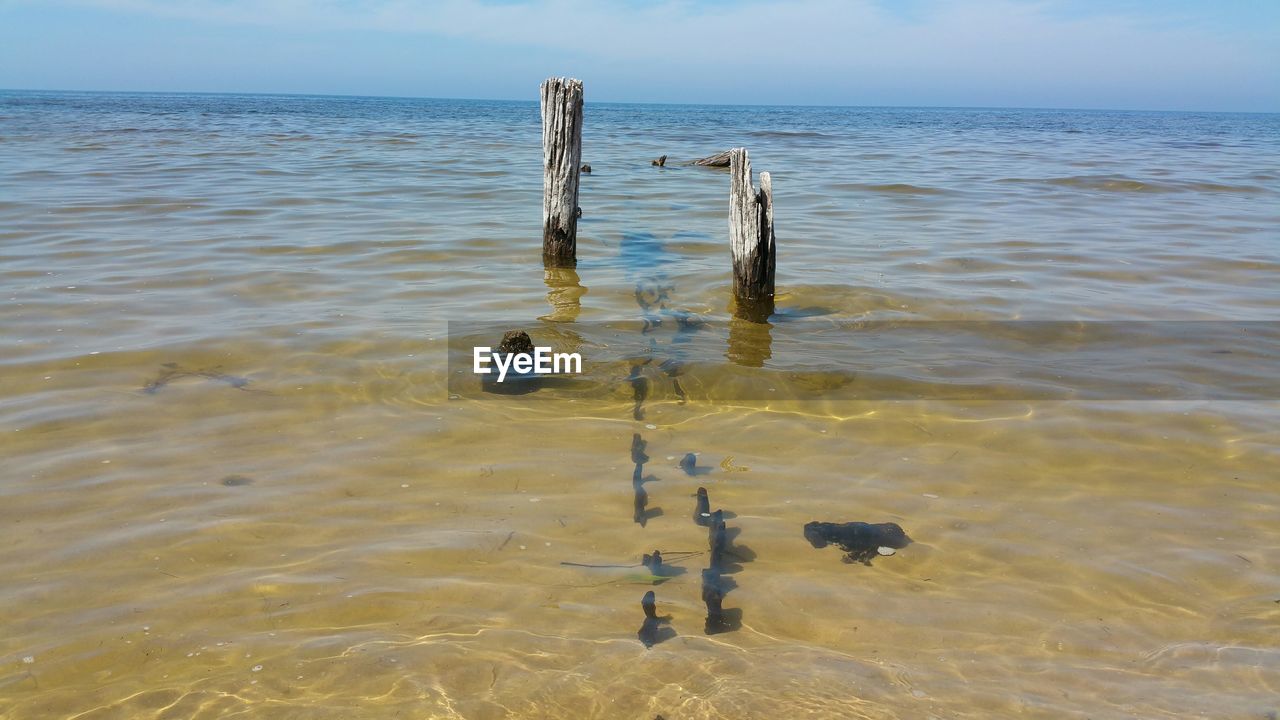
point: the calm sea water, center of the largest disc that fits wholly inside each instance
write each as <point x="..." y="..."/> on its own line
<point x="235" y="481"/>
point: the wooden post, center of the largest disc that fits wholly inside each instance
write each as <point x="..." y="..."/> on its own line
<point x="751" y="239"/>
<point x="719" y="160"/>
<point x="561" y="160"/>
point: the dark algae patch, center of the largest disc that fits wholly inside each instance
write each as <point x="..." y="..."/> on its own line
<point x="860" y="541"/>
<point x="169" y="372"/>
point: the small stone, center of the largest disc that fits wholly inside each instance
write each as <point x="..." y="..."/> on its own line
<point x="28" y="660"/>
<point x="689" y="463"/>
<point x="885" y="550"/>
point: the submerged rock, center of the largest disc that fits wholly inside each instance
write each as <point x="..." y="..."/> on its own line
<point x="860" y="541"/>
<point x="689" y="463"/>
<point x="653" y="562"/>
<point x="717" y="539"/>
<point x="653" y="630"/>
<point x="516" y="341"/>
<point x="702" y="511"/>
<point x="718" y="619"/>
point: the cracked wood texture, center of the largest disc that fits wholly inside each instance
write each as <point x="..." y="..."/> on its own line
<point x="561" y="160"/>
<point x="720" y="160"/>
<point x="751" y="239"/>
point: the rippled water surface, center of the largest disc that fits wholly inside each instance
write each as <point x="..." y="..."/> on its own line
<point x="235" y="482"/>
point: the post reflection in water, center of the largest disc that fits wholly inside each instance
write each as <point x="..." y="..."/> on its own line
<point x="750" y="343"/>
<point x="564" y="294"/>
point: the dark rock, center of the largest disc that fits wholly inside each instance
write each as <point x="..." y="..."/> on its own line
<point x="585" y="168"/>
<point x="653" y="562"/>
<point x="516" y="341"/>
<point x="650" y="604"/>
<point x="702" y="511"/>
<point x="641" y="513"/>
<point x="639" y="391"/>
<point x="661" y="162"/>
<point x="653" y="631"/>
<point x="637" y="449"/>
<point x="688" y="463"/>
<point x="718" y="541"/>
<point x="861" y="541"/>
<point x="718" y="619"/>
<point x="640" y="505"/>
<point x="716" y="519"/>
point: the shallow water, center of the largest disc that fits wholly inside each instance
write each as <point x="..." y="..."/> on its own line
<point x="235" y="482"/>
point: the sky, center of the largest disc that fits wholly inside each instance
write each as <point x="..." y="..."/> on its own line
<point x="1112" y="54"/>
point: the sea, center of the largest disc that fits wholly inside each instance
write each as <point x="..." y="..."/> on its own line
<point x="249" y="470"/>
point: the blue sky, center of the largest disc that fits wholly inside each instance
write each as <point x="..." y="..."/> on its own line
<point x="1120" y="54"/>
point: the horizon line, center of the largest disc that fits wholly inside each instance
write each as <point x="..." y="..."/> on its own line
<point x="629" y="102"/>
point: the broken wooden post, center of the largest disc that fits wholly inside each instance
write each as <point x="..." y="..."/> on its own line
<point x="751" y="239"/>
<point x="561" y="159"/>
<point x="719" y="160"/>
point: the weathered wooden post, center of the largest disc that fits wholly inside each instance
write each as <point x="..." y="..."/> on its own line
<point x="751" y="239"/>
<point x="561" y="160"/>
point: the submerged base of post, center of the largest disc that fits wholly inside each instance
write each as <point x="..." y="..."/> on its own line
<point x="755" y="310"/>
<point x="558" y="253"/>
<point x="751" y="239"/>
